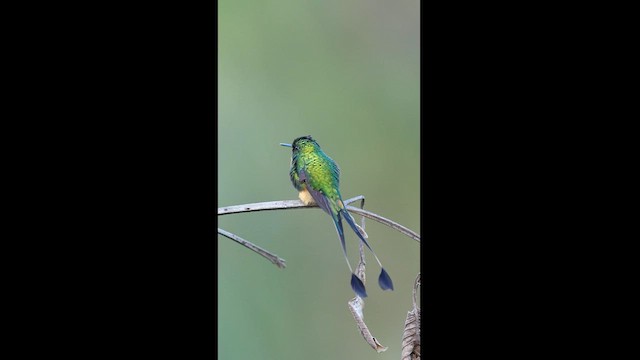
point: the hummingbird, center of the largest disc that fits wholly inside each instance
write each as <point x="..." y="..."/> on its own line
<point x="317" y="178"/>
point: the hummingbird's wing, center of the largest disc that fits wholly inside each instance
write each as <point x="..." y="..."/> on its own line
<point x="325" y="204"/>
<point x="317" y="196"/>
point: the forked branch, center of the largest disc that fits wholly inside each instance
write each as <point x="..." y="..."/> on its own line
<point x="411" y="339"/>
<point x="297" y="204"/>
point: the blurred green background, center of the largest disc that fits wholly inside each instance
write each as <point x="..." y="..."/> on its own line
<point x="347" y="73"/>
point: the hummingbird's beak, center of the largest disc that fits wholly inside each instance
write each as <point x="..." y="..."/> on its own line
<point x="287" y="145"/>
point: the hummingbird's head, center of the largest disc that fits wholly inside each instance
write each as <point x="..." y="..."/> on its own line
<point x="303" y="144"/>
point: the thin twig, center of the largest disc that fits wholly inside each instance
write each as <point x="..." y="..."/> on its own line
<point x="269" y="256"/>
<point x="359" y="197"/>
<point x="392" y="224"/>
<point x="356" y="306"/>
<point x="295" y="204"/>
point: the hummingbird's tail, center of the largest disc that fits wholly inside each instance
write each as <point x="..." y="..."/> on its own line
<point x="384" y="280"/>
<point x="356" y="283"/>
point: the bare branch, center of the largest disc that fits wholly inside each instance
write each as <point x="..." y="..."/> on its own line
<point x="356" y="306"/>
<point x="353" y="199"/>
<point x="269" y="205"/>
<point x="279" y="262"/>
<point x="296" y="204"/>
<point x="411" y="336"/>
<point x="392" y="224"/>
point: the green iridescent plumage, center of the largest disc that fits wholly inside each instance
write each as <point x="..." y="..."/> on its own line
<point x="317" y="178"/>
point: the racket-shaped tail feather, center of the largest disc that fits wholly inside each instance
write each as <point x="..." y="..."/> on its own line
<point x="356" y="284"/>
<point x="384" y="280"/>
